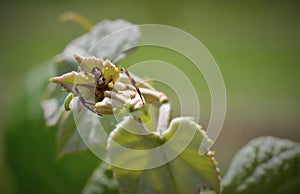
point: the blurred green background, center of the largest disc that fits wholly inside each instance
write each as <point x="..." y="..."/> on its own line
<point x="256" y="45"/>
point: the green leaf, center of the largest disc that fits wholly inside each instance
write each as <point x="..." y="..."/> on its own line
<point x="30" y="146"/>
<point x="265" y="165"/>
<point x="107" y="39"/>
<point x="52" y="104"/>
<point x="189" y="172"/>
<point x="101" y="182"/>
<point x="70" y="135"/>
<point x="69" y="139"/>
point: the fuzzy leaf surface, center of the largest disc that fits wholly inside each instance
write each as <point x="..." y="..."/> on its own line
<point x="265" y="165"/>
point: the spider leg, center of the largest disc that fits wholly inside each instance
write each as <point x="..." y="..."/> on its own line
<point x="90" y="86"/>
<point x="133" y="83"/>
<point x="84" y="102"/>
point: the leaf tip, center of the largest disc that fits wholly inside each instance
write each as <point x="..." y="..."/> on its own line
<point x="78" y="58"/>
<point x="52" y="79"/>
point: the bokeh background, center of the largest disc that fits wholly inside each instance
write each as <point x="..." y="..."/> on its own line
<point x="255" y="43"/>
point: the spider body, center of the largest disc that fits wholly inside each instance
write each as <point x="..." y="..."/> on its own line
<point x="101" y="85"/>
<point x="104" y="80"/>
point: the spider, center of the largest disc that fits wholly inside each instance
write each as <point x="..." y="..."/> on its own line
<point x="104" y="80"/>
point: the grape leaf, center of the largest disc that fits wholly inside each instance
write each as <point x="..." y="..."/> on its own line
<point x="101" y="41"/>
<point x="187" y="173"/>
<point x="265" y="165"/>
<point x="107" y="39"/>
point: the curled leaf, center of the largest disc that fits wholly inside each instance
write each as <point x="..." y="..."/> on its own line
<point x="66" y="81"/>
<point x="187" y="173"/>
